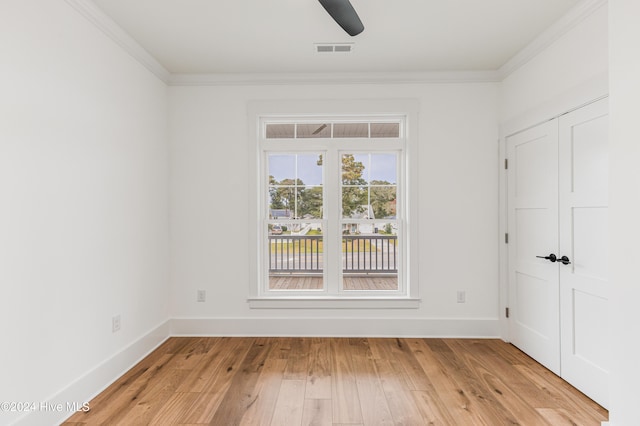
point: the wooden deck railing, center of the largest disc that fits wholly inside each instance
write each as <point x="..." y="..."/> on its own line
<point x="369" y="253"/>
<point x="363" y="254"/>
<point x="295" y="253"/>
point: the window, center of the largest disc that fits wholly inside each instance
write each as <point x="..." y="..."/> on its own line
<point x="333" y="209"/>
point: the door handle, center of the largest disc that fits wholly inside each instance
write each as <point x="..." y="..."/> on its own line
<point x="564" y="260"/>
<point x="552" y="257"/>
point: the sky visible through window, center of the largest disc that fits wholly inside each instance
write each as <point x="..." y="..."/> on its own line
<point x="283" y="167"/>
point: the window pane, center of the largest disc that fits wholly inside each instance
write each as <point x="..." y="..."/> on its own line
<point x="354" y="169"/>
<point x="369" y="186"/>
<point x="315" y="130"/>
<point x="355" y="203"/>
<point x="385" y="130"/>
<point x="351" y="130"/>
<point x="382" y="169"/>
<point x="289" y="196"/>
<point x="370" y="257"/>
<point x="310" y="168"/>
<point x="282" y="166"/>
<point x="282" y="201"/>
<point x="277" y="131"/>
<point x="310" y="202"/>
<point x="295" y="256"/>
<point x="383" y="201"/>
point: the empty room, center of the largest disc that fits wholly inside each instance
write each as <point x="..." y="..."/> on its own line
<point x="319" y="212"/>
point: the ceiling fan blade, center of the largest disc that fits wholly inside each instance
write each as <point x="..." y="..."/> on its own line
<point x="344" y="14"/>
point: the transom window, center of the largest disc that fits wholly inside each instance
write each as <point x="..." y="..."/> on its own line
<point x="332" y="130"/>
<point x="333" y="209"/>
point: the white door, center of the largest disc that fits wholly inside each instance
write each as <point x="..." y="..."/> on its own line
<point x="584" y="294"/>
<point x="532" y="182"/>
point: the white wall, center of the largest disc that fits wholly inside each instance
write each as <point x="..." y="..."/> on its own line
<point x="457" y="223"/>
<point x="625" y="210"/>
<point x="84" y="204"/>
<point x="576" y="59"/>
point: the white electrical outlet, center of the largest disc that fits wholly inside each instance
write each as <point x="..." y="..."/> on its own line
<point x="461" y="296"/>
<point x="115" y="323"/>
<point x="202" y="295"/>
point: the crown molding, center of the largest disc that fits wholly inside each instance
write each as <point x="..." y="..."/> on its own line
<point x="572" y="18"/>
<point x="97" y="17"/>
<point x="228" y="79"/>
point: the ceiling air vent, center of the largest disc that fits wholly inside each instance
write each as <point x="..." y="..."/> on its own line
<point x="333" y="47"/>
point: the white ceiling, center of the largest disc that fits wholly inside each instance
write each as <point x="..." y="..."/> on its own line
<point x="278" y="36"/>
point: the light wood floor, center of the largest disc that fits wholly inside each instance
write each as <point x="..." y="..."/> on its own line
<point x="292" y="282"/>
<point x="334" y="381"/>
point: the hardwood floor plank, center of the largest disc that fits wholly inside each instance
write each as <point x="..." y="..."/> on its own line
<point x="215" y="386"/>
<point x="333" y="381"/>
<point x="268" y="391"/>
<point x="373" y="402"/>
<point x="445" y="392"/>
<point x="204" y="408"/>
<point x="581" y="409"/>
<point x="214" y="380"/>
<point x="344" y="390"/>
<point x="509" y="374"/>
<point x="241" y="393"/>
<point x="220" y="362"/>
<point x="298" y="360"/>
<point x="536" y="385"/>
<point x="511" y="388"/>
<point x="149" y="402"/>
<point x="136" y="377"/>
<point x="319" y="371"/>
<point x="407" y="368"/>
<point x="317" y="412"/>
<point x="398" y="351"/>
<point x="557" y="417"/>
<point x="430" y="410"/>
<point x="290" y="404"/>
<point x="201" y="372"/>
<point x="175" y="409"/>
<point x="399" y="398"/>
<point x="491" y="394"/>
<point x="123" y="397"/>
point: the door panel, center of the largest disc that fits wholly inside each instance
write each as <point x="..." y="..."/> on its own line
<point x="590" y="233"/>
<point x="532" y="182"/>
<point x="584" y="291"/>
<point x="588" y="313"/>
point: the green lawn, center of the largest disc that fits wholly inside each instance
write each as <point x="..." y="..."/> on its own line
<point x="298" y="246"/>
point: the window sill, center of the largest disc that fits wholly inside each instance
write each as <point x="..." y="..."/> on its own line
<point x="298" y="302"/>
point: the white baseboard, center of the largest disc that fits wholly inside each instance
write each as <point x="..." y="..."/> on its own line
<point x="337" y="327"/>
<point x="95" y="381"/>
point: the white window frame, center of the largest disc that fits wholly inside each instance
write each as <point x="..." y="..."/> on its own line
<point x="332" y="296"/>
